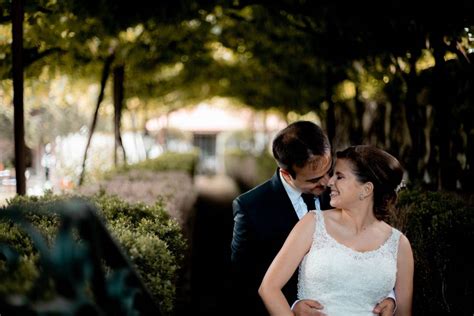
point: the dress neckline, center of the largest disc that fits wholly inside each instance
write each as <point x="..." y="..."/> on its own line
<point x="323" y="224"/>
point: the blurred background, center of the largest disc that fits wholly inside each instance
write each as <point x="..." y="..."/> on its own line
<point x="224" y="76"/>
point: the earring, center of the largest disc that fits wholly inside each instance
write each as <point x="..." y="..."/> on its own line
<point x="361" y="196"/>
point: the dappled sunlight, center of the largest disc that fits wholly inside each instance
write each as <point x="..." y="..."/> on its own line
<point x="132" y="33"/>
<point x="425" y="61"/>
<point x="169" y="71"/>
<point x="222" y="53"/>
<point x="5" y="36"/>
<point x="215" y="115"/>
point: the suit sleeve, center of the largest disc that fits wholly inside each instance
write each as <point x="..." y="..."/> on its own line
<point x="241" y="238"/>
<point x="245" y="280"/>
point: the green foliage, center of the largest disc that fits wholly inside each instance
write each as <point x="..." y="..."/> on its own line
<point x="149" y="236"/>
<point x="167" y="161"/>
<point x="145" y="219"/>
<point x="153" y="241"/>
<point x="440" y="227"/>
<point x="290" y="55"/>
<point x="249" y="169"/>
<point x="153" y="260"/>
<point x="22" y="278"/>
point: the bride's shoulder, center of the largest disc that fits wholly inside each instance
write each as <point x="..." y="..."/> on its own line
<point x="332" y="214"/>
<point x="309" y="217"/>
<point x="324" y="213"/>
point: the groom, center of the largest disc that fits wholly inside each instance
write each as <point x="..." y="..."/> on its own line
<point x="265" y="215"/>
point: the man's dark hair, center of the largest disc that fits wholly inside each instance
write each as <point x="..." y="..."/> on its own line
<point x="297" y="143"/>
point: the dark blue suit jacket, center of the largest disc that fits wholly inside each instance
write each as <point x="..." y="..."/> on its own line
<point x="263" y="219"/>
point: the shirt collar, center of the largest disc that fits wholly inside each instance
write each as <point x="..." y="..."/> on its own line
<point x="293" y="193"/>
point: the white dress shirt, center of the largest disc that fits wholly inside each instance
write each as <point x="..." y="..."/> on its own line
<point x="297" y="200"/>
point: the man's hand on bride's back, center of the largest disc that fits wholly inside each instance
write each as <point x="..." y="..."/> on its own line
<point x="385" y="307"/>
<point x="308" y="308"/>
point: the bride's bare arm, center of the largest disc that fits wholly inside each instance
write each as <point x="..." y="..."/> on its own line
<point x="404" y="283"/>
<point x="284" y="265"/>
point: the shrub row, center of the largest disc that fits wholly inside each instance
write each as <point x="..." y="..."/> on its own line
<point x="148" y="235"/>
<point x="167" y="161"/>
<point x="440" y="227"/>
<point x="174" y="189"/>
<point x="248" y="169"/>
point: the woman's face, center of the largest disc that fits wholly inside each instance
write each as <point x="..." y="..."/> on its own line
<point x="346" y="190"/>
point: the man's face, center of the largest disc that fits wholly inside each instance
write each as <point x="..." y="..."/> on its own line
<point x="313" y="177"/>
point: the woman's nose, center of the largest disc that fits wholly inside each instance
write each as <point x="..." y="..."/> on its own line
<point x="330" y="182"/>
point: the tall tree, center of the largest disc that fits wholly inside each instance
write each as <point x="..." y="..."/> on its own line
<point x="17" y="49"/>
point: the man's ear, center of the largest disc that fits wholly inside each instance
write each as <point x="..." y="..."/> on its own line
<point x="286" y="174"/>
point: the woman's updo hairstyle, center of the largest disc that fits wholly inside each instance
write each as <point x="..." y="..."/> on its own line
<point x="371" y="164"/>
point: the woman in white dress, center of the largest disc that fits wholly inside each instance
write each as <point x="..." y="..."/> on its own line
<point x="349" y="258"/>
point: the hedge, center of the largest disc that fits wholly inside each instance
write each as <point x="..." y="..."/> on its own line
<point x="248" y="169"/>
<point x="152" y="240"/>
<point x="440" y="227"/>
<point x="167" y="161"/>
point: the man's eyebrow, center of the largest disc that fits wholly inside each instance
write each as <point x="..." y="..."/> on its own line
<point x="315" y="179"/>
<point x="331" y="166"/>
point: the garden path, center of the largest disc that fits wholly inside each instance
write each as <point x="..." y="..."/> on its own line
<point x="207" y="279"/>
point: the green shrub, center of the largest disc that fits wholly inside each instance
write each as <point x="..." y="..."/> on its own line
<point x="152" y="240"/>
<point x="440" y="227"/>
<point x="266" y="166"/>
<point x="22" y="279"/>
<point x="174" y="189"/>
<point x="167" y="161"/>
<point x="248" y="169"/>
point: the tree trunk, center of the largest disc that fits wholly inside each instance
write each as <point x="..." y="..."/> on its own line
<point x="118" y="106"/>
<point x="330" y="113"/>
<point x="416" y="124"/>
<point x="146" y="133"/>
<point x="467" y="174"/>
<point x="443" y="119"/>
<point x="19" y="128"/>
<point x="103" y="82"/>
<point x="266" y="138"/>
<point x="387" y="126"/>
<point x="357" y="136"/>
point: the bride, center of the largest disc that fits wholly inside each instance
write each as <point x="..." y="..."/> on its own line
<point x="348" y="257"/>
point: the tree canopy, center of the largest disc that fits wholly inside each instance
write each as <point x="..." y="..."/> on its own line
<point x="397" y="74"/>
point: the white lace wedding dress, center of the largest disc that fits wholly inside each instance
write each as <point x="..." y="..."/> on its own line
<point x="345" y="281"/>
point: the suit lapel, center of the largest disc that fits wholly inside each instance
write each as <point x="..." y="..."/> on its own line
<point x="282" y="201"/>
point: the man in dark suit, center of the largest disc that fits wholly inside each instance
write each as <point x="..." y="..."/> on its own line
<point x="265" y="215"/>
